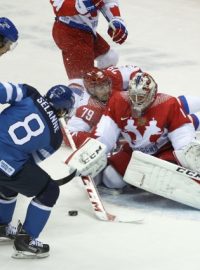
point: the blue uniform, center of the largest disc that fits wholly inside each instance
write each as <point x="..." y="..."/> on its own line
<point x="29" y="128"/>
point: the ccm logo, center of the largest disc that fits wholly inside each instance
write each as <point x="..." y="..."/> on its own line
<point x="188" y="172"/>
<point x="87" y="158"/>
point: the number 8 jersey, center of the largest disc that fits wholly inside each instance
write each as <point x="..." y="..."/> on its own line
<point x="29" y="128"/>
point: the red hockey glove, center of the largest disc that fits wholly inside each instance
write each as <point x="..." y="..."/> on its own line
<point x="117" y="30"/>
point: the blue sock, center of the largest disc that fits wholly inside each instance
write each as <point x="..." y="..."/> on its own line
<point x="6" y="210"/>
<point x="36" y="218"/>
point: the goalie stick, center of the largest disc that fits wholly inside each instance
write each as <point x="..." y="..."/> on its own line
<point x="92" y="191"/>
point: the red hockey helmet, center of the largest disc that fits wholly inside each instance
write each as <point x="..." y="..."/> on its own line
<point x="98" y="84"/>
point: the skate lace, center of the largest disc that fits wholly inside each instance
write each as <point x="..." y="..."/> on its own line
<point x="11" y="230"/>
<point x="35" y="242"/>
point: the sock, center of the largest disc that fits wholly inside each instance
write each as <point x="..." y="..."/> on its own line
<point x="36" y="218"/>
<point x="7" y="208"/>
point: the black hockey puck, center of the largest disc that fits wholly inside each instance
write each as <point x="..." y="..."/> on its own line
<point x="73" y="213"/>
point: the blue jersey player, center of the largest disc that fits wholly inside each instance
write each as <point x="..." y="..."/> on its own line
<point x="29" y="133"/>
<point x="8" y="35"/>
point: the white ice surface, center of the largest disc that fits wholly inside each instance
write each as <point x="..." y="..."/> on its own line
<point x="164" y="39"/>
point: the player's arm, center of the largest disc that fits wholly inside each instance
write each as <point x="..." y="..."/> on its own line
<point x="116" y="28"/>
<point x="79" y="130"/>
<point x="64" y="7"/>
<point x="107" y="130"/>
<point x="75" y="7"/>
<point x="181" y="130"/>
<point x="183" y="138"/>
<point x="81" y="124"/>
<point x="10" y="92"/>
<point x="110" y="10"/>
<point x="121" y="75"/>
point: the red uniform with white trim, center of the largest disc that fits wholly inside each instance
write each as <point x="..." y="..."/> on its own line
<point x="75" y="34"/>
<point x="89" y="110"/>
<point x="162" y="128"/>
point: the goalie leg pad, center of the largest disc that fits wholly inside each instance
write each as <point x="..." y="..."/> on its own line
<point x="163" y="178"/>
<point x="112" y="179"/>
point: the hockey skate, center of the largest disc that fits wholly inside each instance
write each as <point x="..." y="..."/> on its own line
<point x="7" y="232"/>
<point x="25" y="247"/>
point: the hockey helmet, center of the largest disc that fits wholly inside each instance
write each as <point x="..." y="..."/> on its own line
<point x="61" y="98"/>
<point x="98" y="84"/>
<point x="142" y="92"/>
<point x="8" y="35"/>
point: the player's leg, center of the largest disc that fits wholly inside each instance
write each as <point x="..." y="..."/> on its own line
<point x="104" y="55"/>
<point x="77" y="48"/>
<point x="7" y="206"/>
<point x="32" y="181"/>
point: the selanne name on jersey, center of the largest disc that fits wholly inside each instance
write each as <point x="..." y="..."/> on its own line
<point x="47" y="108"/>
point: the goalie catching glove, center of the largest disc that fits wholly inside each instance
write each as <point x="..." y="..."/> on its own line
<point x="89" y="159"/>
<point x="189" y="156"/>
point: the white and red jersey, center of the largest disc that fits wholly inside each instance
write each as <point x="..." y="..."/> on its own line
<point x="163" y="123"/>
<point x="67" y="11"/>
<point x="88" y="109"/>
<point x="121" y="76"/>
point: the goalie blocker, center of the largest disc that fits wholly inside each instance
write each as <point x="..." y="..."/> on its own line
<point x="164" y="178"/>
<point x="89" y="159"/>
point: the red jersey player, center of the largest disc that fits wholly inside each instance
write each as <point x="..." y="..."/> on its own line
<point x="97" y="87"/>
<point x="74" y="32"/>
<point x="153" y="123"/>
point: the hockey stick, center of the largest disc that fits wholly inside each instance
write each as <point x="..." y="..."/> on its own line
<point x="91" y="189"/>
<point x="66" y="179"/>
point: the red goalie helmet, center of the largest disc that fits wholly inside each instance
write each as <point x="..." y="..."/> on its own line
<point x="98" y="84"/>
<point x="142" y="92"/>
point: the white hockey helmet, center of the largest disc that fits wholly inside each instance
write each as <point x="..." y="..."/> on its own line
<point x="98" y="84"/>
<point x="142" y="92"/>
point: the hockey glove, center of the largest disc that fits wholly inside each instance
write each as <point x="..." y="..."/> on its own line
<point x="89" y="159"/>
<point x="88" y="6"/>
<point x="189" y="156"/>
<point x="117" y="30"/>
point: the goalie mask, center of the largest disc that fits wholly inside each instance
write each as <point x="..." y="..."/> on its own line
<point x="61" y="98"/>
<point x="98" y="84"/>
<point x="142" y="92"/>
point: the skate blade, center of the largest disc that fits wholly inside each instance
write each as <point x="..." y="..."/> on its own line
<point x="28" y="255"/>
